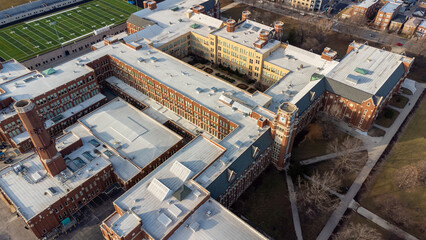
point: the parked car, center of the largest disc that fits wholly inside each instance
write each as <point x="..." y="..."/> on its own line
<point x="8" y="161"/>
<point x="398" y="44"/>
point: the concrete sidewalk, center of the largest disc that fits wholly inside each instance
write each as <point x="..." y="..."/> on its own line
<point x="294" y="211"/>
<point x="380" y="221"/>
<point x="330" y="156"/>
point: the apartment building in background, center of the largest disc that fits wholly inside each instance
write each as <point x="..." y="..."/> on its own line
<point x="223" y="137"/>
<point x="386" y="14"/>
<point x="366" y="9"/>
<point x="397" y="23"/>
<point x="309" y="5"/>
<point x="410" y="27"/>
<point x="421" y="30"/>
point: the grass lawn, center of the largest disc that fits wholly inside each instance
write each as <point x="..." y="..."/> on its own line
<point x="266" y="205"/>
<point x="28" y="39"/>
<point x="410" y="149"/>
<point x="398" y="101"/>
<point x="386" y="117"/>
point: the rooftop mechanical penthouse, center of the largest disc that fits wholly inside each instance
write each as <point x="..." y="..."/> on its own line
<point x="236" y="134"/>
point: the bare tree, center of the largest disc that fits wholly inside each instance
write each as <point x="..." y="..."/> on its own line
<point x="393" y="209"/>
<point x="323" y="28"/>
<point x="357" y="232"/>
<point x="411" y="176"/>
<point x="349" y="159"/>
<point x="313" y="196"/>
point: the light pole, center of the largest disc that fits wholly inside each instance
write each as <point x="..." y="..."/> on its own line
<point x="56" y="30"/>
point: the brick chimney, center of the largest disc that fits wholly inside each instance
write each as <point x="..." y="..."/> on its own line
<point x="230" y="25"/>
<point x="151" y="4"/>
<point x="245" y="15"/>
<point x="278" y="26"/>
<point x="44" y="144"/>
<point x="263" y="35"/>
<point x="328" y="54"/>
<point x="198" y="9"/>
<point x="145" y="4"/>
<point x="1" y="66"/>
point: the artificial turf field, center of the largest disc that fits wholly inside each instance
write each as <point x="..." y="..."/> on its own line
<point x="28" y="39"/>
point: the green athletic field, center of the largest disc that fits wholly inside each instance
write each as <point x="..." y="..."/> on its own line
<point x="28" y="39"/>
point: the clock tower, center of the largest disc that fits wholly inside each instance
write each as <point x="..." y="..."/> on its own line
<point x="283" y="132"/>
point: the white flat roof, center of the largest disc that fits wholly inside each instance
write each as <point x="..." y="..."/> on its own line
<point x="366" y="3"/>
<point x="380" y="65"/>
<point x="171" y="24"/>
<point x="34" y="84"/>
<point x="130" y="132"/>
<point x="292" y="58"/>
<point x="125" y="224"/>
<point x="28" y="191"/>
<point x="213" y="221"/>
<point x="11" y="70"/>
<point x="246" y="34"/>
<point x="124" y="169"/>
<point x="151" y="198"/>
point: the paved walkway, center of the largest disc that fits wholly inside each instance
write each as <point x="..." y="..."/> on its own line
<point x="374" y="153"/>
<point x="330" y="156"/>
<point x="294" y="211"/>
<point x="380" y="221"/>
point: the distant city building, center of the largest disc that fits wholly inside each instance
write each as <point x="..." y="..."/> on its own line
<point x="386" y="14"/>
<point x="367" y="9"/>
<point x="411" y="25"/>
<point x="421" y="31"/>
<point x="397" y="22"/>
<point x="309" y="5"/>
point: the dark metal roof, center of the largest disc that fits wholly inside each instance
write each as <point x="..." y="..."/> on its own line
<point x="346" y="91"/>
<point x="221" y="183"/>
<point x="311" y="96"/>
<point x="139" y="22"/>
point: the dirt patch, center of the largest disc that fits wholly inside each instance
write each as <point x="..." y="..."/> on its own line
<point x="242" y="86"/>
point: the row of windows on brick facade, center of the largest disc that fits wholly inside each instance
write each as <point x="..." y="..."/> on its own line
<point x="176" y="103"/>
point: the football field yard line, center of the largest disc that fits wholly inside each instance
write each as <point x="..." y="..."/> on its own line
<point x="100" y="21"/>
<point x="51" y="30"/>
<point x="25" y="41"/>
<point x="69" y="29"/>
<point x="5" y="54"/>
<point x="43" y="33"/>
<point x="93" y="22"/>
<point x="114" y="6"/>
<point x="106" y="13"/>
<point x="77" y="26"/>
<point x="17" y="41"/>
<point x="34" y="38"/>
<point x="51" y="15"/>
<point x="16" y="47"/>
<point x="106" y="8"/>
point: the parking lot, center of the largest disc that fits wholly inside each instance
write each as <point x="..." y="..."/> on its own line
<point x="89" y="218"/>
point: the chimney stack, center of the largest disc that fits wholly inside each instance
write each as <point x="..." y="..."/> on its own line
<point x="230" y="25"/>
<point x="44" y="144"/>
<point x="152" y="4"/>
<point x="263" y="35"/>
<point x="278" y="26"/>
<point x="328" y="54"/>
<point x="1" y="66"/>
<point x="198" y="9"/>
<point x="145" y="4"/>
<point x="245" y="15"/>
